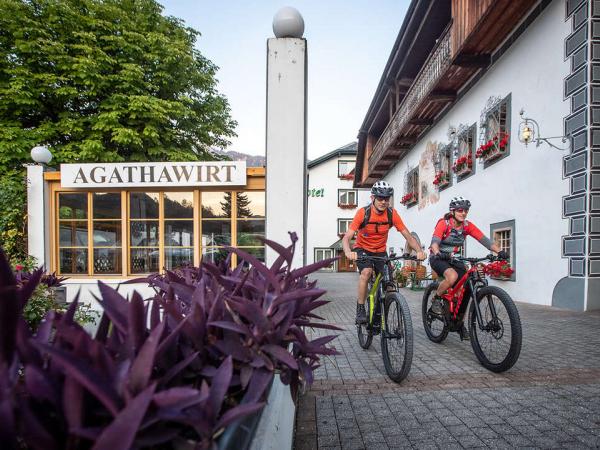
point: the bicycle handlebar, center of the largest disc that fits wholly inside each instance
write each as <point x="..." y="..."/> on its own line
<point x="489" y="257"/>
<point x="391" y="257"/>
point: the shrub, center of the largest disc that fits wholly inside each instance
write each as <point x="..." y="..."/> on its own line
<point x="13" y="213"/>
<point x="186" y="363"/>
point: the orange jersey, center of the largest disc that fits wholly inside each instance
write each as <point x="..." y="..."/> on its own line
<point x="373" y="237"/>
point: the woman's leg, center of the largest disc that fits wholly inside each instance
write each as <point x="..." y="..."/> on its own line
<point x="450" y="277"/>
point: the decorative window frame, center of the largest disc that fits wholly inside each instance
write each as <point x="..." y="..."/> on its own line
<point x="344" y="175"/>
<point x="443" y="166"/>
<point x="346" y="220"/>
<point x="347" y="205"/>
<point x="494" y="131"/>
<point x="508" y="225"/>
<point x="465" y="147"/>
<point x="330" y="268"/>
<point x="411" y="188"/>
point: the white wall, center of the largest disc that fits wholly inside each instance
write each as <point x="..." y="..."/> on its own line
<point x="323" y="212"/>
<point x="526" y="186"/>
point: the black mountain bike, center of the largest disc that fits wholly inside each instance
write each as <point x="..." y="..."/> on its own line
<point x="388" y="315"/>
<point x="494" y="322"/>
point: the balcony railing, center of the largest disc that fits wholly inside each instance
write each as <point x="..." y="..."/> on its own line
<point x="435" y="66"/>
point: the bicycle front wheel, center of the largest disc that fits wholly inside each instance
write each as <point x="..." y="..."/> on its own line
<point x="497" y="346"/>
<point x="396" y="337"/>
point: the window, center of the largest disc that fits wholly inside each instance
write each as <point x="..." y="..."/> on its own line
<point x="347" y="198"/>
<point x="494" y="131"/>
<point x="463" y="166"/>
<point x="345" y="167"/>
<point x="343" y="225"/>
<point x="443" y="167"/>
<point x="411" y="188"/>
<point x="163" y="230"/>
<point x="78" y="254"/>
<point x="250" y="208"/>
<point x="503" y="234"/>
<point x="325" y="253"/>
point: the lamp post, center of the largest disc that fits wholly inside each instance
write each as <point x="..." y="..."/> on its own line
<point x="38" y="224"/>
<point x="41" y="155"/>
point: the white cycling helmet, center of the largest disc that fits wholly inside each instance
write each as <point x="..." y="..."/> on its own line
<point x="459" y="203"/>
<point x="382" y="189"/>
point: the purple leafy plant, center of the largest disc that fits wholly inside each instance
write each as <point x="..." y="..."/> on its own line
<point x="186" y="363"/>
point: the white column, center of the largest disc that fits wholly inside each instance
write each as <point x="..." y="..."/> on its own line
<point x="38" y="222"/>
<point x="286" y="144"/>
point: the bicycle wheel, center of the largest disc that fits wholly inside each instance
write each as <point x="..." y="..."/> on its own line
<point x="397" y="337"/>
<point x="365" y="335"/>
<point x="435" y="328"/>
<point x="498" y="345"/>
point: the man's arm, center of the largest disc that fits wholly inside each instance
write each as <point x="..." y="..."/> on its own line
<point x="346" y="245"/>
<point x="413" y="243"/>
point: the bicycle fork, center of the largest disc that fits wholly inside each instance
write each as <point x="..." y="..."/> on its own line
<point x="478" y="309"/>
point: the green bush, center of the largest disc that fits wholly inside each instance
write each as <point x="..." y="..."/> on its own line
<point x="13" y="214"/>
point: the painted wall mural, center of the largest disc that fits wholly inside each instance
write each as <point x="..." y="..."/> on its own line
<point x="428" y="193"/>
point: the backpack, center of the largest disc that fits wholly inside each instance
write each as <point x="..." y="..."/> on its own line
<point x="448" y="229"/>
<point x="366" y="222"/>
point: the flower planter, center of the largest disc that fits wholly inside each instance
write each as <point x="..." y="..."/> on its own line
<point x="466" y="170"/>
<point x="347" y="206"/>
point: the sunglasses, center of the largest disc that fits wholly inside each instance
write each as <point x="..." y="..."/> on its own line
<point x="461" y="210"/>
<point x="383" y="199"/>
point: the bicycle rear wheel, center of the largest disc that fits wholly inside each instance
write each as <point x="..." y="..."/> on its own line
<point x="397" y="337"/>
<point x="498" y="345"/>
<point x="365" y="334"/>
<point x="435" y="328"/>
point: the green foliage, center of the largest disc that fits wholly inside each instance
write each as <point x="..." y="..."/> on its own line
<point x="400" y="278"/>
<point x="105" y="81"/>
<point x="13" y="211"/>
<point x="44" y="300"/>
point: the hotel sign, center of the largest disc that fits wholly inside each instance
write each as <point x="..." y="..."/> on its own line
<point x="163" y="174"/>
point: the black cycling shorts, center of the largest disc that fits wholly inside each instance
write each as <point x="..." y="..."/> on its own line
<point x="440" y="266"/>
<point x="378" y="265"/>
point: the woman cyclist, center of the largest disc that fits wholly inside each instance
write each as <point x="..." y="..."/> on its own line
<point x="448" y="238"/>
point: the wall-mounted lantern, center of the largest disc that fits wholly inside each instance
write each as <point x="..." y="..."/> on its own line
<point x="529" y="131"/>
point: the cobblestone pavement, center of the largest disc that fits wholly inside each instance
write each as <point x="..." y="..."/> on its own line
<point x="549" y="399"/>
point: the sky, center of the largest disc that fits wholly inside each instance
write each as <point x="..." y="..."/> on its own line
<point x="348" y="46"/>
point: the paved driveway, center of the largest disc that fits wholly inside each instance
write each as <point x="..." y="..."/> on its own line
<point x="549" y="399"/>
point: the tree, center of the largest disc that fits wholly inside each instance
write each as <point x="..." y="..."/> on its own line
<point x="242" y="201"/>
<point x="105" y="80"/>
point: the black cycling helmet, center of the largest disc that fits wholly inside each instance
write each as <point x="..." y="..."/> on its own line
<point x="382" y="189"/>
<point x="459" y="203"/>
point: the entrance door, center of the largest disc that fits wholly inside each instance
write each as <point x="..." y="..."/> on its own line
<point x="344" y="264"/>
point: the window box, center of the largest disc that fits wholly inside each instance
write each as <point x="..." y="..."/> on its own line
<point x="347" y="206"/>
<point x="442" y="179"/>
<point x="348" y="176"/>
<point x="409" y="199"/>
<point x="494" y="148"/>
<point x="463" y="166"/>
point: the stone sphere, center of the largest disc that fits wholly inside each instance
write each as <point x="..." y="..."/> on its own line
<point x="288" y="22"/>
<point x="41" y="154"/>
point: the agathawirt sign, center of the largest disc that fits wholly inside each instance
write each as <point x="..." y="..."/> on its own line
<point x="205" y="173"/>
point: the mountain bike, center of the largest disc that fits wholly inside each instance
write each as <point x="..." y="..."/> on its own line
<point x="494" y="322"/>
<point x="388" y="315"/>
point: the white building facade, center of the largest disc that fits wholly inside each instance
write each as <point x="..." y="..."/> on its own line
<point x="332" y="204"/>
<point x="538" y="202"/>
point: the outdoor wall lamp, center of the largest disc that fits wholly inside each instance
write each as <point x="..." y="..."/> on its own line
<point x="41" y="155"/>
<point x="529" y="131"/>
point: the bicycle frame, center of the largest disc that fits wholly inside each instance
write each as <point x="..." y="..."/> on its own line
<point x="373" y="293"/>
<point x="455" y="296"/>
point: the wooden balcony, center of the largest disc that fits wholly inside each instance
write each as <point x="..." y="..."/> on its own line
<point x="477" y="29"/>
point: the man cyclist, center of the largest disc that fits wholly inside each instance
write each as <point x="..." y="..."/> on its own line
<point x="372" y="223"/>
<point x="448" y="238"/>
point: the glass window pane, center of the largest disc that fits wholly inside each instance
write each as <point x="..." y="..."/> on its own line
<point x="107" y="261"/>
<point x="177" y="257"/>
<point x="72" y="206"/>
<point x="143" y="205"/>
<point x="144" y="260"/>
<point x="248" y="232"/>
<point x="216" y="204"/>
<point x="250" y="204"/>
<point x="107" y="234"/>
<point x="214" y="254"/>
<point x="143" y="233"/>
<point x="179" y="205"/>
<point x="107" y="206"/>
<point x="179" y="232"/>
<point x="257" y="252"/>
<point x="73" y="234"/>
<point x="216" y="232"/>
<point x="73" y="260"/>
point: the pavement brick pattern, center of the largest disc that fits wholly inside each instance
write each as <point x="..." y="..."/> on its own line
<point x="549" y="399"/>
